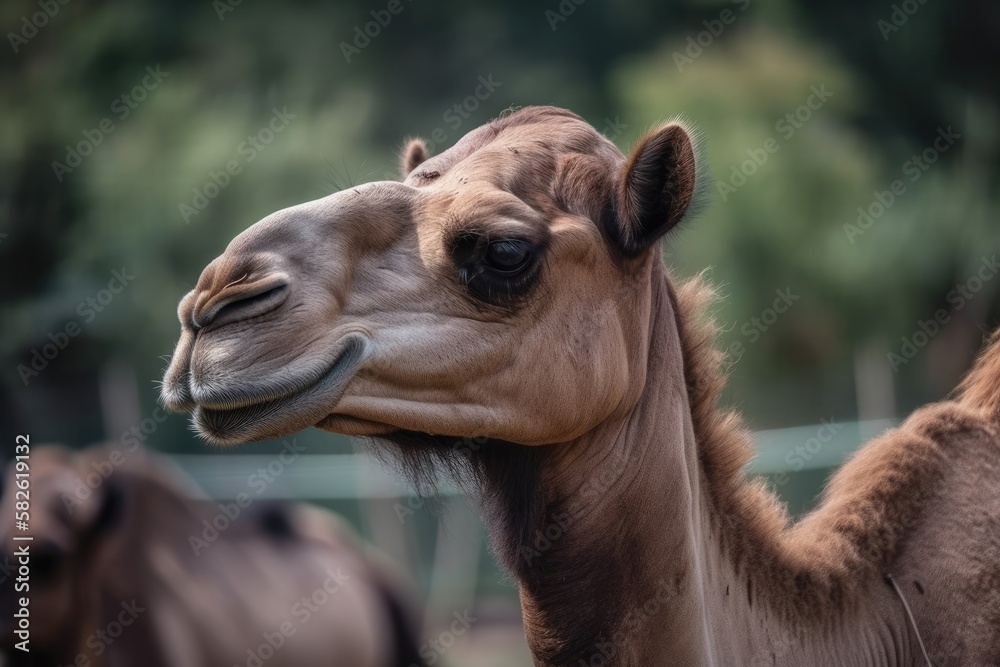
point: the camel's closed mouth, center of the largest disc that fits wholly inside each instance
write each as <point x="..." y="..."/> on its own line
<point x="269" y="418"/>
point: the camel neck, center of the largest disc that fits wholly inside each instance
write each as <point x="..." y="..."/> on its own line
<point x="616" y="554"/>
<point x="644" y="544"/>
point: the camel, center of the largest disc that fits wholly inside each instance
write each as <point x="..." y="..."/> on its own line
<point x="123" y="571"/>
<point x="504" y="314"/>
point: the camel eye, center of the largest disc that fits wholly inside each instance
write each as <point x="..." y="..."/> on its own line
<point x="508" y="257"/>
<point x="500" y="271"/>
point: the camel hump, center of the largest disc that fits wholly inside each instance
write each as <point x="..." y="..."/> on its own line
<point x="980" y="389"/>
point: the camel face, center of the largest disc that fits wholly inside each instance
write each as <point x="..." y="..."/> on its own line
<point x="501" y="290"/>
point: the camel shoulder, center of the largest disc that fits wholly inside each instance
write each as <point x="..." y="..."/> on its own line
<point x="956" y="428"/>
<point x="893" y="478"/>
<point x="910" y="461"/>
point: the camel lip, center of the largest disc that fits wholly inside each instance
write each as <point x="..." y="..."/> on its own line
<point x="354" y="426"/>
<point x="212" y="394"/>
<point x="177" y="399"/>
<point x="263" y="419"/>
<point x="224" y="397"/>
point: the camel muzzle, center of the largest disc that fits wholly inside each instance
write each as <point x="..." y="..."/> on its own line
<point x="266" y="348"/>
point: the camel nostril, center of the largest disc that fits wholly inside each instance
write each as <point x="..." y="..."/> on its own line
<point x="241" y="302"/>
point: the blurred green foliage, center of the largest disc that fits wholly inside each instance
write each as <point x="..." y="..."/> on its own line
<point x="615" y="64"/>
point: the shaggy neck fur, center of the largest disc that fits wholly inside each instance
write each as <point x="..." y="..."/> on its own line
<point x="643" y="542"/>
<point x="650" y="546"/>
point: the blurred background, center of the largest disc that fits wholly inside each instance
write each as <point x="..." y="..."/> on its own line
<point x="853" y="223"/>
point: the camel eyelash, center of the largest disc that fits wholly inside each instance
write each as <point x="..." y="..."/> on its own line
<point x="498" y="271"/>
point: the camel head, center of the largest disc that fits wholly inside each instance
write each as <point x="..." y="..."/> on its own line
<point x="502" y="290"/>
<point x="75" y="512"/>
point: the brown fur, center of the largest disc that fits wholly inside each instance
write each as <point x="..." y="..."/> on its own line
<point x="126" y="539"/>
<point x="981" y="387"/>
<point x="576" y="396"/>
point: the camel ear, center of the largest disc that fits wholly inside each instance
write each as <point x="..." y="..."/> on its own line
<point x="655" y="188"/>
<point x="414" y="152"/>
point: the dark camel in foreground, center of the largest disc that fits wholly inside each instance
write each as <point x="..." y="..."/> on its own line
<point x="119" y="578"/>
<point x="512" y="289"/>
